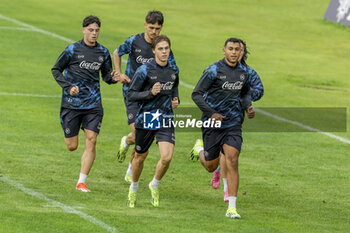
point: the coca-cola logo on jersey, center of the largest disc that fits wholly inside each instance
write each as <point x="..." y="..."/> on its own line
<point x="142" y="60"/>
<point x="90" y="65"/>
<point x="167" y="86"/>
<point x="232" y="86"/>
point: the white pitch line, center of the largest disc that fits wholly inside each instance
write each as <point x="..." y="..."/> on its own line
<point x="64" y="207"/>
<point x="36" y="29"/>
<point x="187" y="85"/>
<point x="16" y="28"/>
<point x="181" y="82"/>
<point x="302" y="125"/>
<point x="47" y="96"/>
<point x="30" y="95"/>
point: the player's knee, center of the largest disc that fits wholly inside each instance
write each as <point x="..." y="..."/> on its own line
<point x="232" y="160"/>
<point x="91" y="140"/>
<point x="210" y="168"/>
<point x="139" y="157"/>
<point x="72" y="146"/>
<point x="166" y="159"/>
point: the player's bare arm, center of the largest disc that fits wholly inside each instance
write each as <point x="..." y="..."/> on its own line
<point x="123" y="78"/>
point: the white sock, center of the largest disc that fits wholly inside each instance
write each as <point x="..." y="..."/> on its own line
<point x="134" y="186"/>
<point x="82" y="178"/>
<point x="126" y="145"/>
<point x="232" y="201"/>
<point x="155" y="182"/>
<point x="218" y="169"/>
<point x="199" y="149"/>
<point x="129" y="171"/>
<point x="225" y="184"/>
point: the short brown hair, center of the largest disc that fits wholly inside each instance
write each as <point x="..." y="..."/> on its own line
<point x="154" y="17"/>
<point x="158" y="39"/>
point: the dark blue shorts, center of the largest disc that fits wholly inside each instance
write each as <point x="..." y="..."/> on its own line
<point x="131" y="110"/>
<point x="214" y="139"/>
<point x="145" y="137"/>
<point x="74" y="119"/>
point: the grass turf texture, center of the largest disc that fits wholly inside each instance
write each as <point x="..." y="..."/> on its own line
<point x="289" y="182"/>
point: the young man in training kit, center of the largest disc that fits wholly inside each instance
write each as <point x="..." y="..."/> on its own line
<point x="139" y="49"/>
<point x="222" y="93"/>
<point x="81" y="105"/>
<point x="155" y="88"/>
<point x="257" y="92"/>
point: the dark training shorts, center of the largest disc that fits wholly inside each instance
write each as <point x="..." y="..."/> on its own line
<point x="131" y="110"/>
<point x="144" y="138"/>
<point x="214" y="139"/>
<point x="74" y="119"/>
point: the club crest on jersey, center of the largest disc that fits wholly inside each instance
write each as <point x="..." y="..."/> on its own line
<point x="242" y="77"/>
<point x="173" y="76"/>
<point x="232" y="86"/>
<point x="100" y="59"/>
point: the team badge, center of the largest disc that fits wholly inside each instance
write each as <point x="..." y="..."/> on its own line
<point x="100" y="58"/>
<point x="67" y="130"/>
<point x="242" y="77"/>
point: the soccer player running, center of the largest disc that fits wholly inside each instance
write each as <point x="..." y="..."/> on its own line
<point x="81" y="105"/>
<point x="140" y="51"/>
<point x="155" y="88"/>
<point x="222" y="93"/>
<point x="257" y="92"/>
